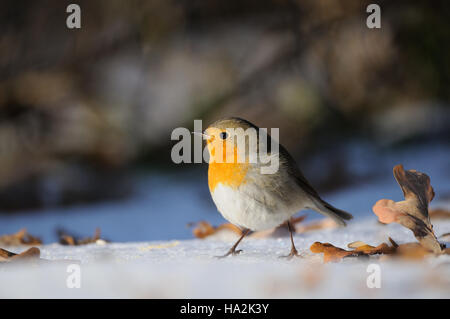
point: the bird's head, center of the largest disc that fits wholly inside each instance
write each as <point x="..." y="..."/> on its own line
<point x="232" y="140"/>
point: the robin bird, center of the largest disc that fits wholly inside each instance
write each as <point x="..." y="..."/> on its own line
<point x="253" y="200"/>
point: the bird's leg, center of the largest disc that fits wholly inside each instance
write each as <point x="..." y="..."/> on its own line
<point x="294" y="251"/>
<point x="233" y="250"/>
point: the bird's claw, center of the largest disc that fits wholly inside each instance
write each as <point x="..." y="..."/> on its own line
<point x="231" y="252"/>
<point x="293" y="253"/>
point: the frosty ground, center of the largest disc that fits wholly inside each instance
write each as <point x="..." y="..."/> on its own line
<point x="153" y="255"/>
<point x="188" y="269"/>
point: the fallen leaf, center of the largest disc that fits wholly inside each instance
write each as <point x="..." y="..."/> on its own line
<point x="330" y="252"/>
<point x="22" y="237"/>
<point x="280" y="231"/>
<point x="205" y="229"/>
<point x="4" y="254"/>
<point x="231" y="227"/>
<point x="445" y="237"/>
<point x="439" y="213"/>
<point x="394" y="244"/>
<point x="371" y="250"/>
<point x="413" y="211"/>
<point x="30" y="254"/>
<point x="71" y="240"/>
<point x="359" y="248"/>
<point x="326" y="223"/>
<point x="412" y="251"/>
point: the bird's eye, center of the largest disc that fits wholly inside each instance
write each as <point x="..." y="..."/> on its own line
<point x="223" y="135"/>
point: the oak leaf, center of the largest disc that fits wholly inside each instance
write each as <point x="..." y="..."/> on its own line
<point x="280" y="231"/>
<point x="359" y="248"/>
<point x="22" y="237"/>
<point x="371" y="250"/>
<point x="331" y="253"/>
<point x="412" y="251"/>
<point x="205" y="229"/>
<point x="31" y="254"/>
<point x="72" y="240"/>
<point x="439" y="213"/>
<point x="413" y="211"/>
<point x="326" y="223"/>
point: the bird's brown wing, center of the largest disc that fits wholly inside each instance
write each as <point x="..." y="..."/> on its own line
<point x="294" y="171"/>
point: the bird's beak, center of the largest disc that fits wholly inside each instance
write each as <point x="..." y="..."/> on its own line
<point x="205" y="136"/>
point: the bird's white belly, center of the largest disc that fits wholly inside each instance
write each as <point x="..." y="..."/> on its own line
<point x="250" y="207"/>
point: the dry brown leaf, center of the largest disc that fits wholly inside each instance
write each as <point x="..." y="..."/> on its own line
<point x="67" y="240"/>
<point x="280" y="231"/>
<point x="409" y="251"/>
<point x="31" y="254"/>
<point x="412" y="251"/>
<point x="359" y="248"/>
<point x="231" y="227"/>
<point x="327" y="223"/>
<point x="371" y="250"/>
<point x="4" y="254"/>
<point x="330" y="252"/>
<point x="439" y="213"/>
<point x="205" y="229"/>
<point x="22" y="237"/>
<point x="413" y="211"/>
<point x="71" y="240"/>
<point x="273" y="232"/>
<point x="393" y="243"/>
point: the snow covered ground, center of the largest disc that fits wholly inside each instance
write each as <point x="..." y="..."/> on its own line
<point x="188" y="269"/>
<point x="153" y="254"/>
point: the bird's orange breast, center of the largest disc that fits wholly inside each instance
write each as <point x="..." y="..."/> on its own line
<point x="229" y="174"/>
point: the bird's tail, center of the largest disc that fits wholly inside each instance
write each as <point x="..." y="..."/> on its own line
<point x="329" y="210"/>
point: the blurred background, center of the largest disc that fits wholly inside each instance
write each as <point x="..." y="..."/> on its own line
<point x="86" y="114"/>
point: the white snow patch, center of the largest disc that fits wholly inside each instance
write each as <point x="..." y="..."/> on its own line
<point x="188" y="269"/>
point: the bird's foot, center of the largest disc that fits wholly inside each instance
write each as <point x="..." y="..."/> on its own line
<point x="293" y="253"/>
<point x="231" y="252"/>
